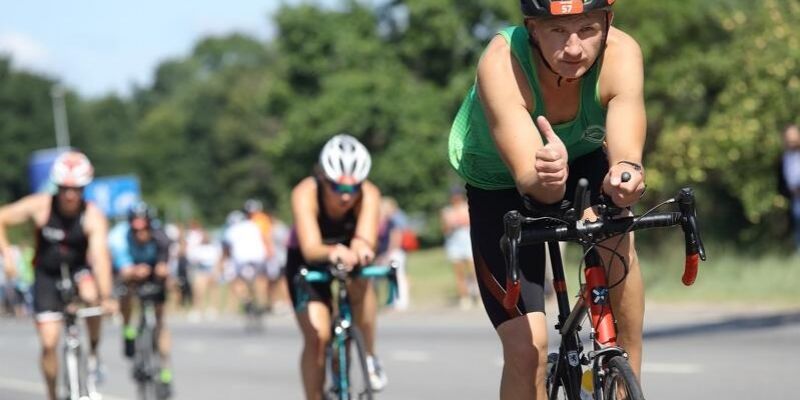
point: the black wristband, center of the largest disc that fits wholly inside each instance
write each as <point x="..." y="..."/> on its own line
<point x="637" y="167"/>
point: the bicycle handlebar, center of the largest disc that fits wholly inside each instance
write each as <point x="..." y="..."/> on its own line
<point x="520" y="232"/>
<point x="337" y="271"/>
<point x="89" y="312"/>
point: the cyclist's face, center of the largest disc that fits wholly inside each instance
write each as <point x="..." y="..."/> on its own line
<point x="342" y="195"/>
<point x="69" y="198"/>
<point x="141" y="230"/>
<point x="570" y="44"/>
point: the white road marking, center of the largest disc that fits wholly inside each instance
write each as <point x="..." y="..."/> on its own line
<point x="37" y="388"/>
<point x="410" y="356"/>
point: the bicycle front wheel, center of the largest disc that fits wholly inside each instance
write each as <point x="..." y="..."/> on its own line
<point x="145" y="367"/>
<point x="619" y="382"/>
<point x="347" y="360"/>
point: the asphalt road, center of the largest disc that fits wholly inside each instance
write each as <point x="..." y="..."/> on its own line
<point x="690" y="353"/>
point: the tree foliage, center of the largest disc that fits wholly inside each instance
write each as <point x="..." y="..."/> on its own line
<point x="240" y="117"/>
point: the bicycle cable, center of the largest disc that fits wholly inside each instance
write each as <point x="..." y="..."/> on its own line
<point x="615" y="253"/>
<point x="622" y="237"/>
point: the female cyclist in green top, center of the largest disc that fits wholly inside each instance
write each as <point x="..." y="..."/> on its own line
<point x="555" y="100"/>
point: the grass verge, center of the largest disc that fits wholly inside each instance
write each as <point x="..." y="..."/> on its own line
<point x="729" y="276"/>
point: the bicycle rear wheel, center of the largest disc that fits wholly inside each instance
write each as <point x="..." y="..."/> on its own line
<point x="619" y="382"/>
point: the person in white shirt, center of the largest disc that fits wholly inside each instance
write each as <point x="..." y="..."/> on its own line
<point x="243" y="246"/>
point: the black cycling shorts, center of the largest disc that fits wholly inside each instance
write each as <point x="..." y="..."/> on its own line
<point x="486" y="211"/>
<point x="320" y="291"/>
<point x="47" y="301"/>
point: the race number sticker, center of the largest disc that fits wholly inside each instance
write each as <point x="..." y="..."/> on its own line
<point x="566" y="7"/>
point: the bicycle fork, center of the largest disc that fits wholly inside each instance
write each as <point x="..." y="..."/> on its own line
<point x="74" y="373"/>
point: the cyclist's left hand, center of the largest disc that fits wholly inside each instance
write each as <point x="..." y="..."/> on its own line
<point x="364" y="253"/>
<point x="624" y="194"/>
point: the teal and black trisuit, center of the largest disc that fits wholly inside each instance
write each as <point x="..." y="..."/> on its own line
<point x="491" y="190"/>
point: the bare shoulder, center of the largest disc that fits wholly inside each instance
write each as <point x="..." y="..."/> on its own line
<point x="370" y="190"/>
<point x="496" y="55"/>
<point x="623" y="44"/>
<point x="623" y="66"/>
<point x="95" y="218"/>
<point x="304" y="191"/>
<point x="501" y="81"/>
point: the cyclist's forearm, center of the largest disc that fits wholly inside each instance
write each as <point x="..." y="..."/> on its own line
<point x="317" y="253"/>
<point x="102" y="273"/>
<point x="528" y="184"/>
<point x="5" y="246"/>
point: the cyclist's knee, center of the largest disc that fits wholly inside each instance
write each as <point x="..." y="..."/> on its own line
<point x="317" y="340"/>
<point x="524" y="355"/>
<point x="524" y="343"/>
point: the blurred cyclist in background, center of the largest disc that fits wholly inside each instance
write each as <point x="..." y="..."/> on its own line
<point x="263" y="282"/>
<point x="243" y="246"/>
<point x="336" y="221"/>
<point x="140" y="251"/>
<point x="69" y="232"/>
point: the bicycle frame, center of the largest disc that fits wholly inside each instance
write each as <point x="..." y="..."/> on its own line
<point x="594" y="300"/>
<point x="75" y="369"/>
<point x="342" y="315"/>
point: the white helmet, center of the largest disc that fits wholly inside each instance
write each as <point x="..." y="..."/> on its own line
<point x="72" y="169"/>
<point x="234" y="217"/>
<point x="345" y="160"/>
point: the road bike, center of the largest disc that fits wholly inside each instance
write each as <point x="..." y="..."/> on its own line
<point x="78" y="384"/>
<point x="607" y="368"/>
<point x="146" y="360"/>
<point x="346" y="356"/>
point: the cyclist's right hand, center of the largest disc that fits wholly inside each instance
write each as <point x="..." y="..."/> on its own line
<point x="341" y="254"/>
<point x="110" y="306"/>
<point x="551" y="159"/>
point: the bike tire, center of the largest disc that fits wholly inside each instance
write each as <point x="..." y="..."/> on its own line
<point x="619" y="371"/>
<point x="360" y="379"/>
<point x="144" y="370"/>
<point x="71" y="374"/>
<point x="346" y="366"/>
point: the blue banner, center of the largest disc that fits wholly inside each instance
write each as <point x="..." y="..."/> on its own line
<point x="39" y="166"/>
<point x="114" y="194"/>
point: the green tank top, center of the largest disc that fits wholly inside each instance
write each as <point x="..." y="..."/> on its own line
<point x="472" y="151"/>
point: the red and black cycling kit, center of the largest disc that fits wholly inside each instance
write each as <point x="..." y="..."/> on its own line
<point x="61" y="240"/>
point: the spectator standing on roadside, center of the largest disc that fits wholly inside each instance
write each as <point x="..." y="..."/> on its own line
<point x="789" y="177"/>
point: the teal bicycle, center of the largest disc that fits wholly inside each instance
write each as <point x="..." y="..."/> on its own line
<point x="346" y="355"/>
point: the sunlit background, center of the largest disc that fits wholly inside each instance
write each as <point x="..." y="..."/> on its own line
<point x="205" y="104"/>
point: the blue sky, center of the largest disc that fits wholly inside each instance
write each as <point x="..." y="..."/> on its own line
<point x="101" y="46"/>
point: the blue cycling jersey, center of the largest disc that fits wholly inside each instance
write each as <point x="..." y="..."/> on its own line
<point x="126" y="251"/>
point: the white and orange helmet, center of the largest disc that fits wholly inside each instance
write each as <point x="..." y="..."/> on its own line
<point x="72" y="169"/>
